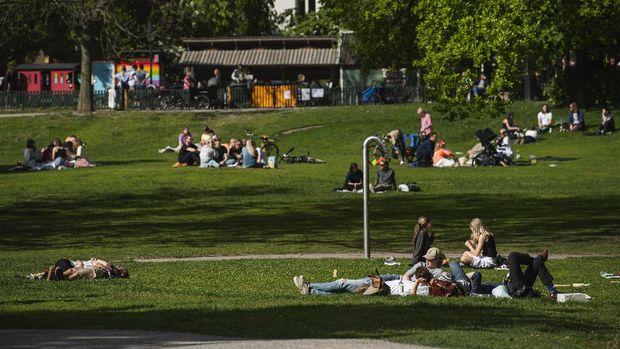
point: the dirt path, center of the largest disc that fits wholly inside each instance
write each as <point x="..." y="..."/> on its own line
<point x="403" y="258"/>
<point x="112" y="339"/>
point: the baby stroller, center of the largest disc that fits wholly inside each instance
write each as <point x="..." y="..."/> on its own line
<point x="373" y="95"/>
<point x="488" y="156"/>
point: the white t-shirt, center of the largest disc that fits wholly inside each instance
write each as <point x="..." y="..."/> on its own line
<point x="544" y="118"/>
<point x="531" y="133"/>
<point x="422" y="290"/>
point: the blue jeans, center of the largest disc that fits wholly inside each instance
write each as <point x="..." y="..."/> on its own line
<point x="477" y="287"/>
<point x="346" y="285"/>
<point x="459" y="276"/>
<point x="210" y="163"/>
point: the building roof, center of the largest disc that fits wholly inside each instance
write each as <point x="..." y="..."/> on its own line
<point x="262" y="57"/>
<point x="51" y="66"/>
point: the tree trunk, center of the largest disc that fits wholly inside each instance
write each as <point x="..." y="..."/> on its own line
<point x="85" y="101"/>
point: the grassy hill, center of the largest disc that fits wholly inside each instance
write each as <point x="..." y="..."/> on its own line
<point x="136" y="204"/>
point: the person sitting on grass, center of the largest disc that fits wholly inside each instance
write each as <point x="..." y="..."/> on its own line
<point x="441" y="158"/>
<point x="424" y="153"/>
<point x="188" y="155"/>
<point x="250" y="155"/>
<point x="32" y="155"/>
<point x="576" y="120"/>
<point x="422" y="239"/>
<point x="481" y="250"/>
<point x="386" y="177"/>
<point x="234" y="153"/>
<point x="508" y="124"/>
<point x="208" y="155"/>
<point x="608" y="125"/>
<point x="221" y="150"/>
<point x="545" y="118"/>
<point x="181" y="141"/>
<point x="353" y="180"/>
<point x="207" y="134"/>
<point x="504" y="148"/>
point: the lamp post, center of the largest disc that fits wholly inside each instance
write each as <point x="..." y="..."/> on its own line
<point x="366" y="185"/>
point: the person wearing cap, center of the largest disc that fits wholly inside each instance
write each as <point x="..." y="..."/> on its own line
<point x="433" y="260"/>
<point x="441" y="158"/>
<point x="386" y="177"/>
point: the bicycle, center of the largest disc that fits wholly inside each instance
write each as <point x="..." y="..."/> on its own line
<point x="268" y="146"/>
<point x="286" y="157"/>
<point x="382" y="149"/>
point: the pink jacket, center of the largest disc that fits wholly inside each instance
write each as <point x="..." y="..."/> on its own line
<point x="426" y="124"/>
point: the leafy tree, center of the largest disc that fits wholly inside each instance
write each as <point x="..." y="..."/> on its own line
<point x="321" y="23"/>
<point x="114" y="26"/>
<point x="26" y="27"/>
<point x="460" y="38"/>
<point x="232" y="18"/>
<point x="385" y="30"/>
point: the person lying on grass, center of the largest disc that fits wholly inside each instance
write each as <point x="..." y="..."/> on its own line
<point x="65" y="269"/>
<point x="434" y="261"/>
<point x="481" y="250"/>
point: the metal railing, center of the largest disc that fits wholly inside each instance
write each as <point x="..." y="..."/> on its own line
<point x="234" y="96"/>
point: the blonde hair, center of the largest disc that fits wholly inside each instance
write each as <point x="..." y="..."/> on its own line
<point x="478" y="229"/>
<point x="251" y="147"/>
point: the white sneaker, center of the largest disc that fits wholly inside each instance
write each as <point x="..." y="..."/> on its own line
<point x="162" y="150"/>
<point x="301" y="284"/>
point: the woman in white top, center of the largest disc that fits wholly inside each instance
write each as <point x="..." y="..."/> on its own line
<point x="208" y="154"/>
<point x="545" y="118"/>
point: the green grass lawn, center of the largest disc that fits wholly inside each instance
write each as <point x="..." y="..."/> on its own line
<point x="136" y="204"/>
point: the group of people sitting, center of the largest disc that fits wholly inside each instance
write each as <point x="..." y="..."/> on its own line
<point x="427" y="278"/>
<point x="431" y="152"/>
<point x="57" y="155"/>
<point x="65" y="269"/>
<point x="211" y="152"/>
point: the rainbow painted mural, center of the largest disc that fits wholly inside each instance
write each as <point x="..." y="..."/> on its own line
<point x="144" y="65"/>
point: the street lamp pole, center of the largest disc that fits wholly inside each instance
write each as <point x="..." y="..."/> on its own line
<point x="366" y="187"/>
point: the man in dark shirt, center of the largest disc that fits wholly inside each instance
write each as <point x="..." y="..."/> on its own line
<point x="424" y="154"/>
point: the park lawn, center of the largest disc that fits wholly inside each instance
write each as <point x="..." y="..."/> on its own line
<point x="257" y="299"/>
<point x="136" y="205"/>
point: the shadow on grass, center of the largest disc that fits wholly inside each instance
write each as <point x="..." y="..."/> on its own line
<point x="389" y="321"/>
<point x="169" y="217"/>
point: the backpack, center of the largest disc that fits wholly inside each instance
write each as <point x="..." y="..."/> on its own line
<point x="441" y="288"/>
<point x="409" y="186"/>
<point x="377" y="286"/>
